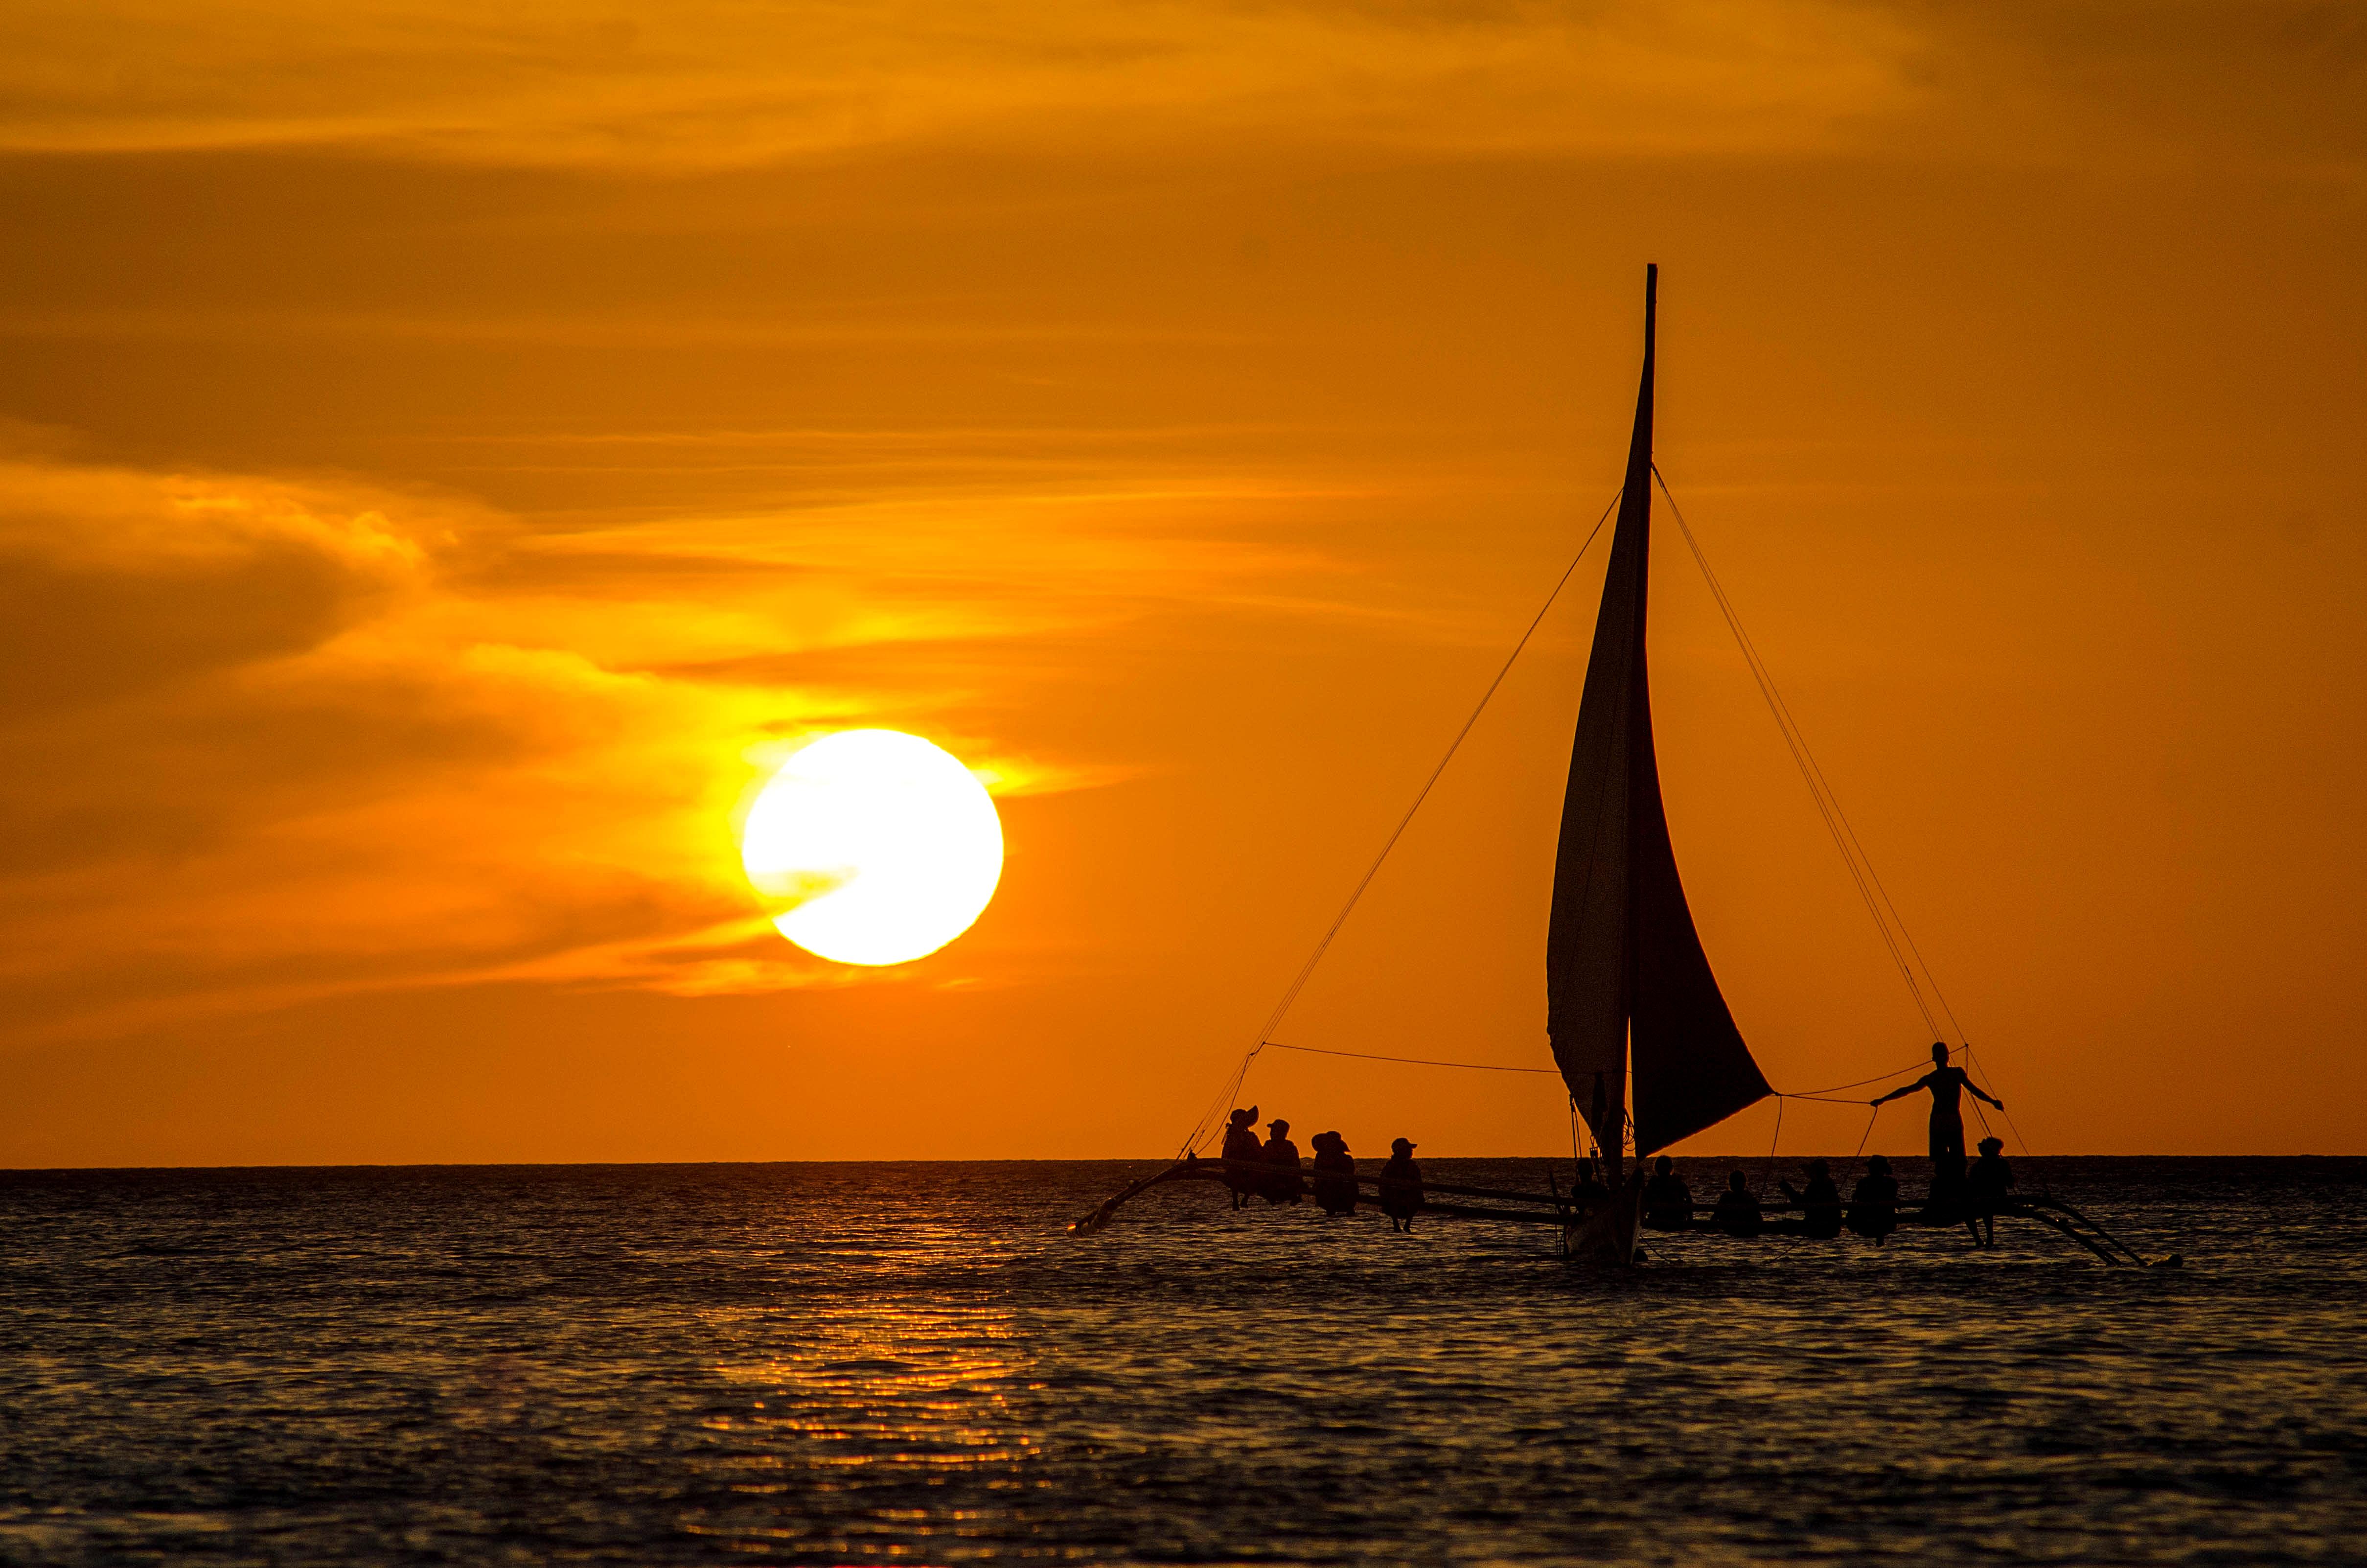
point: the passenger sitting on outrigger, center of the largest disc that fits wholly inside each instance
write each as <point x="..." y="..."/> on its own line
<point x="1401" y="1186"/>
<point x="1874" y="1205"/>
<point x="1335" y="1174"/>
<point x="1241" y="1143"/>
<point x="1738" y="1211"/>
<point x="1281" y="1156"/>
<point x="1668" y="1201"/>
<point x="1989" y="1186"/>
<point x="1820" y="1205"/>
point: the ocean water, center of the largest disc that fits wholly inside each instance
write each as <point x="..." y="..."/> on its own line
<point x="913" y="1363"/>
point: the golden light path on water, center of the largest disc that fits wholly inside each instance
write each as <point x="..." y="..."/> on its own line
<point x="885" y="845"/>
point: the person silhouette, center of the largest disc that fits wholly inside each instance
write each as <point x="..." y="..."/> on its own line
<point x="1401" y="1186"/>
<point x="1241" y="1143"/>
<point x="1668" y="1201"/>
<point x="1738" y="1211"/>
<point x="1989" y="1186"/>
<point x="1281" y="1157"/>
<point x="1947" y="1085"/>
<point x="1873" y="1204"/>
<point x="1820" y="1206"/>
<point x="1335" y="1174"/>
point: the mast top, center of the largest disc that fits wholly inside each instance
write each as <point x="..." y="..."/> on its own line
<point x="1651" y="302"/>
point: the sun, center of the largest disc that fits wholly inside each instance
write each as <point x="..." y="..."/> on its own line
<point x="886" y="846"/>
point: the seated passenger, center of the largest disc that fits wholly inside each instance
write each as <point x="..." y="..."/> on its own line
<point x="1668" y="1201"/>
<point x="1989" y="1186"/>
<point x="1241" y="1143"/>
<point x="1738" y="1211"/>
<point x="1401" y="1186"/>
<point x="1873" y="1204"/>
<point x="1335" y="1174"/>
<point x="1820" y="1205"/>
<point x="1283" y="1183"/>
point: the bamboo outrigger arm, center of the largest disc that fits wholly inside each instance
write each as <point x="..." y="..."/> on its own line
<point x="1537" y="1208"/>
<point x="1546" y="1210"/>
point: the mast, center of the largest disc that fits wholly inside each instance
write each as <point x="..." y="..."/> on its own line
<point x="1626" y="981"/>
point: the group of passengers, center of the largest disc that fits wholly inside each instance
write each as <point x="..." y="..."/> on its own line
<point x="1270" y="1168"/>
<point x="1973" y="1195"/>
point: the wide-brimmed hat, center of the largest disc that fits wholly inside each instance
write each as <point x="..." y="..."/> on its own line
<point x="1243" y="1118"/>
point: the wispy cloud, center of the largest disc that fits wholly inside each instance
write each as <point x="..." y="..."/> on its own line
<point x="298" y="738"/>
<point x="705" y="84"/>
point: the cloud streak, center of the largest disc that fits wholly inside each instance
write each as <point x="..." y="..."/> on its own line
<point x="299" y="739"/>
<point x="704" y="84"/>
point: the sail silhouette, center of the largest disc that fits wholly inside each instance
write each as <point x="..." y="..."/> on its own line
<point x="1628" y="986"/>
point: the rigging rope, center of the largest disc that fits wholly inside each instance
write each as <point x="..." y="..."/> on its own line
<point x="1410" y="1061"/>
<point x="1879" y="905"/>
<point x="1307" y="971"/>
<point x="1870" y="887"/>
<point x="1828" y="804"/>
<point x="1860" y="1084"/>
<point x="1771" y="1145"/>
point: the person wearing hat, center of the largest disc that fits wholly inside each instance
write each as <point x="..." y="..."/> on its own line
<point x="1873" y="1202"/>
<point x="1284" y="1184"/>
<point x="1401" y="1186"/>
<point x="1335" y="1174"/>
<point x="1989" y="1186"/>
<point x="1241" y="1143"/>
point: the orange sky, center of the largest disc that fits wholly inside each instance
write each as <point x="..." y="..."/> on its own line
<point x="444" y="454"/>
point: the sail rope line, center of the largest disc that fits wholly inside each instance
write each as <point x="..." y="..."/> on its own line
<point x="1409" y="1061"/>
<point x="1770" y="1171"/>
<point x="1837" y="823"/>
<point x="1820" y="792"/>
<point x="1307" y="971"/>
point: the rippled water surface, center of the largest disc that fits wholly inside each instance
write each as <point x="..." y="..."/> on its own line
<point x="911" y="1362"/>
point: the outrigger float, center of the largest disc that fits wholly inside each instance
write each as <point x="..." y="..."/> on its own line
<point x="1641" y="1035"/>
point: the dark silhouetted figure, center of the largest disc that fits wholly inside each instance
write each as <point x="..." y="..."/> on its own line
<point x="1989" y="1186"/>
<point x="1335" y="1174"/>
<point x="1283" y="1184"/>
<point x="1401" y="1186"/>
<point x="1241" y="1143"/>
<point x="1668" y="1201"/>
<point x="1738" y="1211"/>
<point x="1873" y="1204"/>
<point x="1587" y="1192"/>
<point x="1947" y="1085"/>
<point x="1820" y="1205"/>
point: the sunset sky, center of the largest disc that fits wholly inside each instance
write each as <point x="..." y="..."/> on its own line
<point x="449" y="454"/>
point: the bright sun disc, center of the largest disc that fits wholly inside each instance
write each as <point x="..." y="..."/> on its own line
<point x="887" y="845"/>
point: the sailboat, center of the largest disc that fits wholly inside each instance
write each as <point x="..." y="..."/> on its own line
<point x="1646" y="1047"/>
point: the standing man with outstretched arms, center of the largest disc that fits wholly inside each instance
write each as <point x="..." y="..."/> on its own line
<point x="1947" y="1085"/>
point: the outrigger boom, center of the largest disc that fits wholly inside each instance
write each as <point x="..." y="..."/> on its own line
<point x="1554" y="1208"/>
